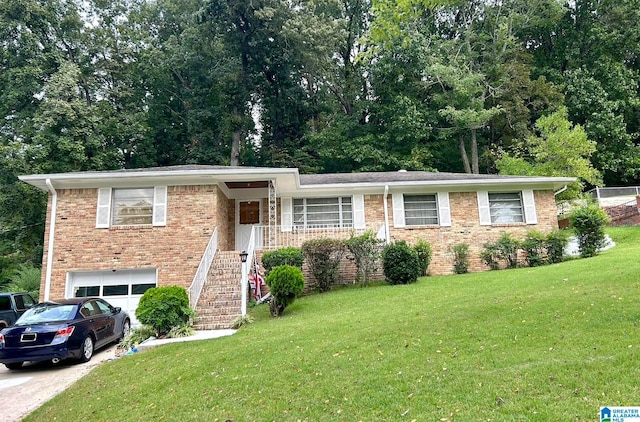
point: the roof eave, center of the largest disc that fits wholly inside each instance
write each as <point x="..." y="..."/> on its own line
<point x="553" y="183"/>
<point x="174" y="177"/>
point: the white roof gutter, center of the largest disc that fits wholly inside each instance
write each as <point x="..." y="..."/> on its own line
<point x="387" y="236"/>
<point x="52" y="229"/>
<point x="560" y="191"/>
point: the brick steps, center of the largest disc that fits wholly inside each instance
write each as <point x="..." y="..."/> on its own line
<point x="220" y="301"/>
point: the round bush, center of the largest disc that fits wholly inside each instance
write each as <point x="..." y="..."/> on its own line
<point x="400" y="263"/>
<point x="588" y="222"/>
<point x="164" y="308"/>
<point x="285" y="283"/>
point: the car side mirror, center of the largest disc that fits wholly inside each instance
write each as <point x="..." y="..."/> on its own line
<point x="117" y="310"/>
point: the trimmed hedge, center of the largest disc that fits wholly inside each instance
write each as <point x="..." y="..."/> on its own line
<point x="400" y="263"/>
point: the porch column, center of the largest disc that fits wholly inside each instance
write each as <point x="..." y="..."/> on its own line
<point x="273" y="214"/>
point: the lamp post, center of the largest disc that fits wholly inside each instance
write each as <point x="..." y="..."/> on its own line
<point x="243" y="281"/>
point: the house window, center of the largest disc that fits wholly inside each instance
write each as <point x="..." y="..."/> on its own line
<point x="323" y="212"/>
<point x="506" y="207"/>
<point x="132" y="207"/>
<point x="420" y="210"/>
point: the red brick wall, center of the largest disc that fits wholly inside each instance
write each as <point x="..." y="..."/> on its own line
<point x="465" y="228"/>
<point x="194" y="211"/>
<point x="175" y="249"/>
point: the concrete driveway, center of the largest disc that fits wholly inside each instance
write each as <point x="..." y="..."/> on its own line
<point x="28" y="388"/>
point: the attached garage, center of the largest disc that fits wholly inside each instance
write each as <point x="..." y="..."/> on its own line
<point x="122" y="288"/>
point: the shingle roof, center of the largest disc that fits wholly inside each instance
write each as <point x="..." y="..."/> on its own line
<point x="396" y="176"/>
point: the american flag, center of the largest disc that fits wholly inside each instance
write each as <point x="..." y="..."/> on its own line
<point x="258" y="280"/>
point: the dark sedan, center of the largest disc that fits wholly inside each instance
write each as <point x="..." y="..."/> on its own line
<point x="62" y="329"/>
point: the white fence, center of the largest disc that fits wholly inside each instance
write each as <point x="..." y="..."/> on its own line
<point x="274" y="238"/>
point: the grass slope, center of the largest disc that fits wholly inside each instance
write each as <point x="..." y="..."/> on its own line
<point x="548" y="343"/>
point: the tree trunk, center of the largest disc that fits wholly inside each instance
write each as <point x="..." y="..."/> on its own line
<point x="474" y="152"/>
<point x="235" y="147"/>
<point x="463" y="154"/>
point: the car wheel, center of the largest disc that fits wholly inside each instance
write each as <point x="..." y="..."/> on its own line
<point x="87" y="349"/>
<point x="126" y="329"/>
<point x="14" y="365"/>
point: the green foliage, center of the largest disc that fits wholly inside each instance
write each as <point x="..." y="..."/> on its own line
<point x="401" y="263"/>
<point x="25" y="278"/>
<point x="241" y="321"/>
<point x="323" y="256"/>
<point x="535" y="248"/>
<point x="164" y="308"/>
<point x="588" y="222"/>
<point x="283" y="256"/>
<point x="285" y="283"/>
<point x="366" y="250"/>
<point x="490" y="255"/>
<point x="556" y="243"/>
<point x="184" y="330"/>
<point x="425" y="252"/>
<point x="461" y="258"/>
<point x="504" y="251"/>
<point x="137" y="336"/>
<point x="560" y="150"/>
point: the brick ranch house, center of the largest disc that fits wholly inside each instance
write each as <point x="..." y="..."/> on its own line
<point x="115" y="234"/>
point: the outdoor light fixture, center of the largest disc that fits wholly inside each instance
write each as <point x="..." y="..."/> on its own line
<point x="243" y="256"/>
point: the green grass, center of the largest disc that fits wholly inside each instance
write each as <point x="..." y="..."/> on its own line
<point x="546" y="343"/>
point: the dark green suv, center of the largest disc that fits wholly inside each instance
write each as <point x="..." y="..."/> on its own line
<point x="12" y="305"/>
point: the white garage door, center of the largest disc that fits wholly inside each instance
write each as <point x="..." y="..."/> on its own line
<point x="122" y="288"/>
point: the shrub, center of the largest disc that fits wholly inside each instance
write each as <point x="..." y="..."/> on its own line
<point x="400" y="263"/>
<point x="323" y="257"/>
<point x="283" y="256"/>
<point x="490" y="255"/>
<point x="285" y="283"/>
<point x="25" y="278"/>
<point x="137" y="336"/>
<point x="588" y="222"/>
<point x="164" y="308"/>
<point x="366" y="250"/>
<point x="556" y="244"/>
<point x="505" y="249"/>
<point x="535" y="248"/>
<point x="425" y="252"/>
<point x="508" y="248"/>
<point x="461" y="258"/>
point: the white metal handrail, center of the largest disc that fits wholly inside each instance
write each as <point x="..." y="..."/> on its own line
<point x="298" y="235"/>
<point x="200" y="277"/>
<point x="244" y="279"/>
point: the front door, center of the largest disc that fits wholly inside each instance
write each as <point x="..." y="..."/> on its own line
<point x="248" y="215"/>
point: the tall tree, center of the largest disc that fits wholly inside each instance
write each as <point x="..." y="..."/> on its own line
<point x="559" y="149"/>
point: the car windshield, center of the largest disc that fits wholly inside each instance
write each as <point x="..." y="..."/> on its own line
<point x="47" y="313"/>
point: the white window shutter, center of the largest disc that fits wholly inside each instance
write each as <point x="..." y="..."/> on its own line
<point x="529" y="204"/>
<point x="398" y="210"/>
<point x="358" y="212"/>
<point x="444" y="210"/>
<point x="286" y="214"/>
<point x="483" y="208"/>
<point x="160" y="206"/>
<point x="103" y="214"/>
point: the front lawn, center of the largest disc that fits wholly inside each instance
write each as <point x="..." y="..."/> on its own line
<point x="545" y="343"/>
